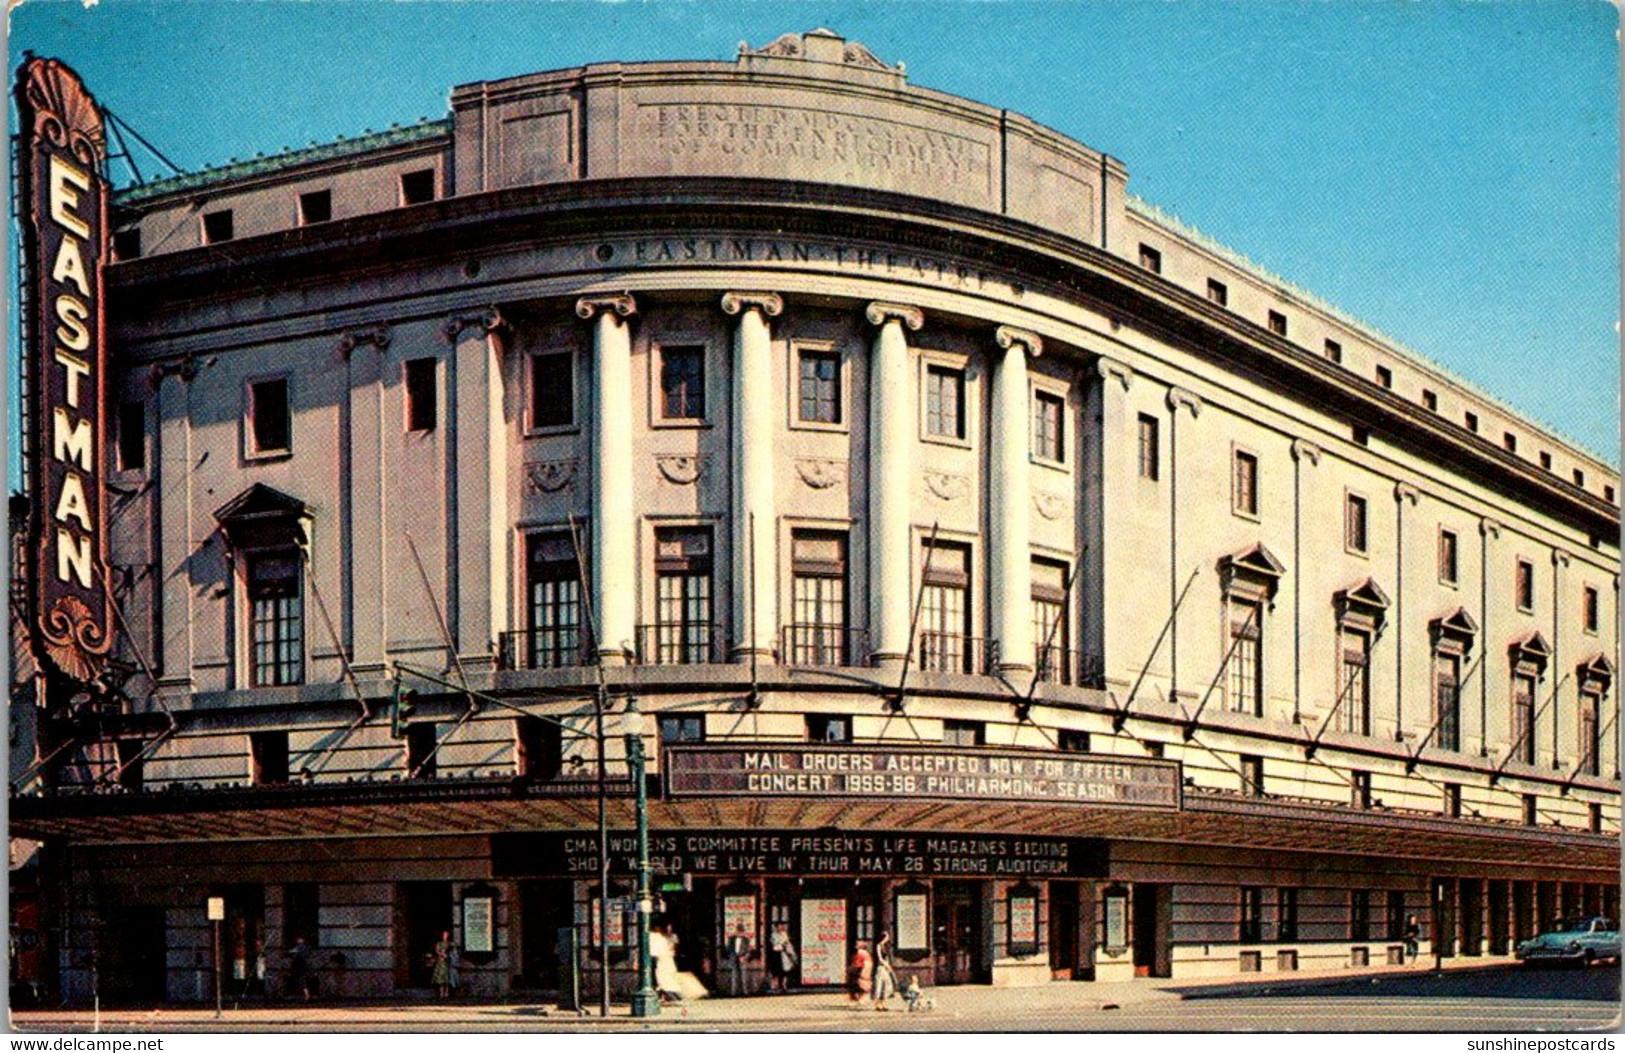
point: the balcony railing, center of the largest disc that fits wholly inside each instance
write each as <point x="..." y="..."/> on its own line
<point x="826" y="645"/>
<point x="543" y="649"/>
<point x="1057" y="665"/>
<point x="680" y="643"/>
<point x="954" y="653"/>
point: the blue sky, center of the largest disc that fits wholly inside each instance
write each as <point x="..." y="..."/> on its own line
<point x="1447" y="172"/>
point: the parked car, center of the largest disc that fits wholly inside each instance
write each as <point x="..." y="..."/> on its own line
<point x="1583" y="940"/>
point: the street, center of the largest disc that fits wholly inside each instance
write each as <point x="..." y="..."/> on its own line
<point x="1464" y="998"/>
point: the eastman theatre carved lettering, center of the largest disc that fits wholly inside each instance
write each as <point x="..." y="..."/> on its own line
<point x="842" y="144"/>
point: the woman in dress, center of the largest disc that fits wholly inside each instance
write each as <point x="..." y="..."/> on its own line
<point x="860" y="975"/>
<point x="781" y="958"/>
<point x="672" y="984"/>
<point x="442" y="964"/>
<point x="885" y="978"/>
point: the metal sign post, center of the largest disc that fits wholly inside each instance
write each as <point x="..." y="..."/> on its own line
<point x="217" y="914"/>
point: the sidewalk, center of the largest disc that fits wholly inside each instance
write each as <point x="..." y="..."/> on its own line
<point x="953" y="1007"/>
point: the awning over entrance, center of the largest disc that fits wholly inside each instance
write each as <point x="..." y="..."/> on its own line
<point x="1219" y="820"/>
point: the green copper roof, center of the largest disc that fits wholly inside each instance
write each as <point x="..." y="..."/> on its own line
<point x="412" y="133"/>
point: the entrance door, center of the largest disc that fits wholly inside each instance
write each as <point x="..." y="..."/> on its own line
<point x="1472" y="916"/>
<point x="1444" y="918"/>
<point x="133" y="956"/>
<point x="1148" y="941"/>
<point x="544" y="909"/>
<point x="693" y="917"/>
<point x="1063" y="930"/>
<point x="957" y="933"/>
<point x="1498" y="917"/>
<point x="242" y="937"/>
<point x="1523" y="911"/>
<point x="423" y="912"/>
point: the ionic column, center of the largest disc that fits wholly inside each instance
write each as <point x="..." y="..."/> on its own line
<point x="614" y="528"/>
<point x="1110" y="476"/>
<point x="1010" y="500"/>
<point x="891" y="440"/>
<point x="755" y="563"/>
<point x="364" y="599"/>
<point x="479" y="606"/>
<point x="175" y="545"/>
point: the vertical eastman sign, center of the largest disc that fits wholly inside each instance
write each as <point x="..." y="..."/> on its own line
<point x="61" y="151"/>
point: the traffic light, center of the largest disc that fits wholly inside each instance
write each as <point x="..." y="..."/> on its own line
<point x="402" y="704"/>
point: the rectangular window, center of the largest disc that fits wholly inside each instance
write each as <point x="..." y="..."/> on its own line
<point x="1050" y="621"/>
<point x="268" y="757"/>
<point x="1151" y="259"/>
<point x="1594" y="810"/>
<point x="1525" y="585"/>
<point x="1244" y="491"/>
<point x="680" y="729"/>
<point x="820" y="387"/>
<point x="269" y="428"/>
<point x="315" y="207"/>
<point x="1472" y="421"/>
<point x="1360" y="914"/>
<point x="555" y="602"/>
<point x="217" y="227"/>
<point x="1449" y="557"/>
<point x="1608" y="494"/>
<point x="1361" y="789"/>
<point x="131" y="764"/>
<point x="422" y="751"/>
<point x="1334" y="351"/>
<point x="682" y="383"/>
<point x="1385" y="376"/>
<point x="1070" y="740"/>
<point x="1361" y="435"/>
<point x="552" y="390"/>
<point x="1277" y="323"/>
<point x="1394" y="916"/>
<point x="276" y="618"/>
<point x="538" y="748"/>
<point x="1354" y="523"/>
<point x="1246" y="657"/>
<point x="1579" y="478"/>
<point x="127" y="244"/>
<point x="422" y="399"/>
<point x="822" y="728"/>
<point x="1447" y="700"/>
<point x="945" y="402"/>
<point x="1217" y="292"/>
<point x="301" y="913"/>
<point x="1531" y="810"/>
<point x="1286" y="915"/>
<point x="964" y="733"/>
<point x="1430" y="401"/>
<point x="1149" y="454"/>
<point x="1589" y="614"/>
<point x="1252" y="776"/>
<point x="1252" y="915"/>
<point x="1590" y="741"/>
<point x="417" y="187"/>
<point x="132" y="436"/>
<point x="818" y="631"/>
<point x="945" y="644"/>
<point x="683" y="631"/>
<point x="1452" y="800"/>
<point x="1049" y="431"/>
<point x="1545" y="460"/>
<point x="1354" y="682"/>
<point x="1523" y="717"/>
<point x="1510" y="441"/>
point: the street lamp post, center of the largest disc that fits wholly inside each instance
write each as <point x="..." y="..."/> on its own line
<point x="645" y="1000"/>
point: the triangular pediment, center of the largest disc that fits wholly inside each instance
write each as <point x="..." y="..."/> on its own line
<point x="1456" y="623"/>
<point x="1531" y="648"/>
<point x="263" y="515"/>
<point x="1597" y="669"/>
<point x="1366" y="593"/>
<point x="1256" y="560"/>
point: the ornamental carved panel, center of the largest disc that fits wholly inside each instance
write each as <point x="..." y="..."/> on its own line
<point x="820" y="473"/>
<point x="549" y="477"/>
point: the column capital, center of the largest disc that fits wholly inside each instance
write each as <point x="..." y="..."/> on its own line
<point x="879" y="313"/>
<point x="1406" y="492"/>
<point x="182" y="369"/>
<point x="1489" y="527"/>
<point x="620" y="303"/>
<point x="1112" y="369"/>
<point x="771" y="304"/>
<point x="1178" y="397"/>
<point x="377" y="336"/>
<point x="490" y="319"/>
<point x="1304" y="450"/>
<point x="1008" y="336"/>
<point x="1560" y="558"/>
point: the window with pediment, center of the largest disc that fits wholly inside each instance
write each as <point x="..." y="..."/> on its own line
<point x="266" y="532"/>
<point x="1361" y="610"/>
<point x="1452" y="637"/>
<point x="1248" y="580"/>
<point x="1527" y="657"/>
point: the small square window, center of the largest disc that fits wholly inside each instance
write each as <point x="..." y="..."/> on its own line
<point x="217" y="227"/>
<point x="1049" y="427"/>
<point x="1452" y="800"/>
<point x="1070" y="740"/>
<point x="1430" y="401"/>
<point x="552" y="390"/>
<point x="315" y="207"/>
<point x="1277" y="323"/>
<point x="132" y="436"/>
<point x="1362" y="789"/>
<point x="1151" y="259"/>
<point x="131" y="763"/>
<point x="417" y="187"/>
<point x="1595" y="816"/>
<point x="1510" y="442"/>
<point x="1608" y="493"/>
<point x="819" y="387"/>
<point x="1244" y="493"/>
<point x="1449" y="556"/>
<point x="538" y="748"/>
<point x="268" y="757"/>
<point x="1354" y="524"/>
<point x="1531" y="810"/>
<point x="127" y="244"/>
<point x="1217" y="292"/>
<point x="1361" y="435"/>
<point x="1334" y="351"/>
<point x="822" y="728"/>
<point x="422" y="750"/>
<point x="269" y="426"/>
<point x="1148" y="447"/>
<point x="945" y="402"/>
<point x="1590" y="609"/>
<point x="682" y="383"/>
<point x="1579" y="478"/>
<point x="421" y="396"/>
<point x="1471" y="419"/>
<point x="1545" y="460"/>
<point x="1252" y="776"/>
<point x="1525" y="585"/>
<point x="964" y="733"/>
<point x="1385" y="376"/>
<point x="683" y="728"/>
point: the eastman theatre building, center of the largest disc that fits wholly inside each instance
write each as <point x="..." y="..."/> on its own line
<point x="996" y="562"/>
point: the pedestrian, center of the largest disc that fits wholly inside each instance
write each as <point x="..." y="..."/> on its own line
<point x="885" y="977"/>
<point x="442" y="965"/>
<point x="1413" y="938"/>
<point x="860" y="975"/>
<point x="737" y="950"/>
<point x="781" y="960"/>
<point x="299" y="969"/>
